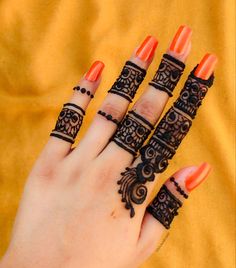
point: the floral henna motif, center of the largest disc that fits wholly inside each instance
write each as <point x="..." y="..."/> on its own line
<point x="129" y="80"/>
<point x="168" y="74"/>
<point x="164" y="207"/>
<point x="132" y="132"/>
<point x="69" y="122"/>
<point x="162" y="146"/>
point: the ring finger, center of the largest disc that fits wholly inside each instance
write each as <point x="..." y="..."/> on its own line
<point x="139" y="122"/>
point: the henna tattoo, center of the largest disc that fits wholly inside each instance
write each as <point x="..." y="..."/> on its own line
<point x="178" y="188"/>
<point x="164" y="207"/>
<point x="161" y="147"/>
<point x="129" y="80"/>
<point x="168" y="74"/>
<point x="132" y="132"/>
<point x="192" y="94"/>
<point x="109" y="117"/>
<point x="69" y="122"/>
<point x="84" y="91"/>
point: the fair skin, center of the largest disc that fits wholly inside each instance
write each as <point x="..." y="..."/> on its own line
<point x="70" y="213"/>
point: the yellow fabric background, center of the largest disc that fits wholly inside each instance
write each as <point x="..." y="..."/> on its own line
<point x="46" y="45"/>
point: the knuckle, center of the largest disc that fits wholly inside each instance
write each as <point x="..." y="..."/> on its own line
<point x="147" y="109"/>
<point x="114" y="110"/>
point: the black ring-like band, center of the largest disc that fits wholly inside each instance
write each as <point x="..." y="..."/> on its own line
<point x="84" y="91"/>
<point x="178" y="188"/>
<point x="168" y="74"/>
<point x="69" y="122"/>
<point x="164" y="207"/>
<point x="129" y="80"/>
<point x="109" y="117"/>
<point x="132" y="132"/>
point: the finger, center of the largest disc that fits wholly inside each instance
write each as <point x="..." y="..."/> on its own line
<point x="138" y="123"/>
<point x="71" y="117"/>
<point x="167" y="137"/>
<point x="117" y="101"/>
<point x="164" y="207"/>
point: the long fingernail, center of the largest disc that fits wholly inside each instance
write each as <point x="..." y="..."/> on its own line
<point x="181" y="39"/>
<point x="206" y="67"/>
<point x="198" y="176"/>
<point x="146" y="50"/>
<point x="95" y="71"/>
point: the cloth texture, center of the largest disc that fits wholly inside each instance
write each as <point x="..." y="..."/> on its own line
<point x="47" y="45"/>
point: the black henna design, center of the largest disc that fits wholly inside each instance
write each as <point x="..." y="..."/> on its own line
<point x="178" y="188"/>
<point x="109" y="117"/>
<point x="192" y="94"/>
<point x="164" y="207"/>
<point x="69" y="122"/>
<point x="129" y="81"/>
<point x="168" y="74"/>
<point x="84" y="91"/>
<point x="161" y="147"/>
<point x="132" y="132"/>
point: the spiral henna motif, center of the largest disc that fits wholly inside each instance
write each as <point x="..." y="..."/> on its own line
<point x="69" y="122"/>
<point x="131" y="189"/>
<point x="167" y="137"/>
<point x="132" y="132"/>
<point x="129" y="81"/>
<point x="168" y="74"/>
<point x="164" y="207"/>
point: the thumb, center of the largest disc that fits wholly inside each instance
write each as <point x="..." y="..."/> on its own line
<point x="164" y="207"/>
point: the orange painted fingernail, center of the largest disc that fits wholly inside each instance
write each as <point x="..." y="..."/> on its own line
<point x="181" y="39"/>
<point x="147" y="48"/>
<point x="198" y="176"/>
<point x="95" y="71"/>
<point x="206" y="67"/>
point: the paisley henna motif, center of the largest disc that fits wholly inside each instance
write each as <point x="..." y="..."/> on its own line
<point x="129" y="81"/>
<point x="132" y="132"/>
<point x="168" y="74"/>
<point x="69" y="122"/>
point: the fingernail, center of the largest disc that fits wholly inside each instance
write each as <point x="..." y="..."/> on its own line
<point x="147" y="48"/>
<point x="206" y="67"/>
<point x="198" y="176"/>
<point x="95" y="71"/>
<point x="181" y="39"/>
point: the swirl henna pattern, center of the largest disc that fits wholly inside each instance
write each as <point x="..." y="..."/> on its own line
<point x="69" y="122"/>
<point x="164" y="207"/>
<point x="168" y="74"/>
<point x="162" y="146"/>
<point x="132" y="132"/>
<point x="129" y="81"/>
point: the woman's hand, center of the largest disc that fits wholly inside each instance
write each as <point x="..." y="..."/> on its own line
<point x="87" y="207"/>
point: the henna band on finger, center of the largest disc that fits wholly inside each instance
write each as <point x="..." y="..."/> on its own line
<point x="163" y="144"/>
<point x="84" y="91"/>
<point x="69" y="122"/>
<point x="109" y="117"/>
<point x="164" y="207"/>
<point x="168" y="74"/>
<point x="132" y="132"/>
<point x="178" y="188"/>
<point x="129" y="81"/>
